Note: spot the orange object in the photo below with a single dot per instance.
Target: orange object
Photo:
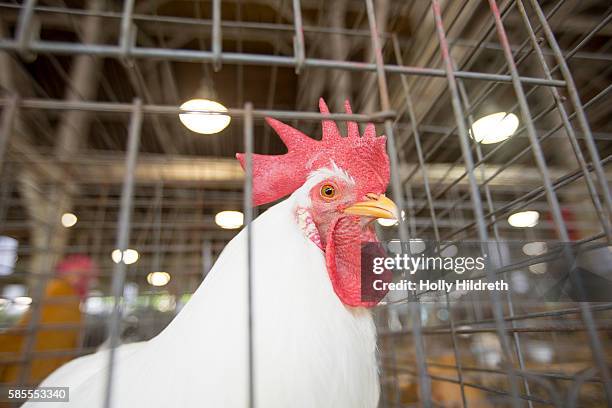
(60, 306)
(58, 327)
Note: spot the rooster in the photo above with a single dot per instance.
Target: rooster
(314, 339)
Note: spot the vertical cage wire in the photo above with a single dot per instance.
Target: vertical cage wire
(123, 238)
(248, 210)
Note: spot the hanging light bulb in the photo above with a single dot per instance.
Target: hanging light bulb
(129, 256)
(69, 220)
(205, 123)
(229, 219)
(524, 219)
(159, 278)
(494, 128)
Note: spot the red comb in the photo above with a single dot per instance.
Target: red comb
(363, 157)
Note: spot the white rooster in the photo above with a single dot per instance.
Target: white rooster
(314, 339)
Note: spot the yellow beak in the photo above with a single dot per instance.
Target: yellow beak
(377, 206)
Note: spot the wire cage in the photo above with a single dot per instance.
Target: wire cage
(95, 164)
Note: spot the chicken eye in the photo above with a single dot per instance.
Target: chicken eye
(328, 191)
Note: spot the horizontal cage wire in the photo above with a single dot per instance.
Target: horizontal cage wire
(496, 115)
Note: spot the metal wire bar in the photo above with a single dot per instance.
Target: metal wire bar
(487, 91)
(485, 388)
(6, 128)
(548, 257)
(539, 329)
(24, 26)
(59, 104)
(480, 160)
(125, 39)
(44, 47)
(491, 153)
(475, 52)
(36, 313)
(555, 376)
(574, 175)
(430, 203)
(500, 146)
(248, 212)
(515, 334)
(603, 57)
(526, 199)
(532, 315)
(586, 39)
(596, 346)
(572, 396)
(70, 327)
(39, 89)
(605, 220)
(476, 49)
(578, 109)
(176, 20)
(123, 236)
(473, 186)
(496, 235)
(398, 196)
(216, 34)
(299, 48)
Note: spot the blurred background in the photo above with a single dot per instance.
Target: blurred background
(95, 123)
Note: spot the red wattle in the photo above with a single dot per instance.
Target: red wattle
(343, 259)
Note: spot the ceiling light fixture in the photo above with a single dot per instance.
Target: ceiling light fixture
(128, 257)
(158, 278)
(205, 123)
(229, 219)
(524, 219)
(69, 220)
(494, 128)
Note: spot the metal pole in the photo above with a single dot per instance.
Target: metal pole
(216, 35)
(24, 27)
(432, 211)
(248, 218)
(60, 104)
(398, 196)
(125, 39)
(123, 237)
(48, 47)
(474, 191)
(299, 48)
(6, 127)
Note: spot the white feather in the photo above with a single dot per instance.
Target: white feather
(310, 350)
